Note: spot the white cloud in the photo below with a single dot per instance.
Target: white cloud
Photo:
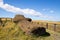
(14, 9)
(51, 11)
(48, 10)
(44, 9)
(1, 0)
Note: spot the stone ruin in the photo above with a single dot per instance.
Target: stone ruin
(0, 22)
(27, 26)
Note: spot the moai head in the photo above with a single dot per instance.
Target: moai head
(18, 18)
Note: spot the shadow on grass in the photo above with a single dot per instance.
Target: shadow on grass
(46, 34)
(40, 31)
(43, 35)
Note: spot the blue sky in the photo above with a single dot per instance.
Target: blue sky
(35, 9)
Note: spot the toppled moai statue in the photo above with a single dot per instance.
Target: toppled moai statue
(31, 28)
(27, 26)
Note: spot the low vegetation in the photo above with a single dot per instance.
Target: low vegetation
(13, 32)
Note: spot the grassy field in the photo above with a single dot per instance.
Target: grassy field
(12, 32)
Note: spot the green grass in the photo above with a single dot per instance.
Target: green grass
(12, 32)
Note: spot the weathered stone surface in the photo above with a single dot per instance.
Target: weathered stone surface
(31, 28)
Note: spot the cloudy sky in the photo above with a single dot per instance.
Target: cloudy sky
(35, 9)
